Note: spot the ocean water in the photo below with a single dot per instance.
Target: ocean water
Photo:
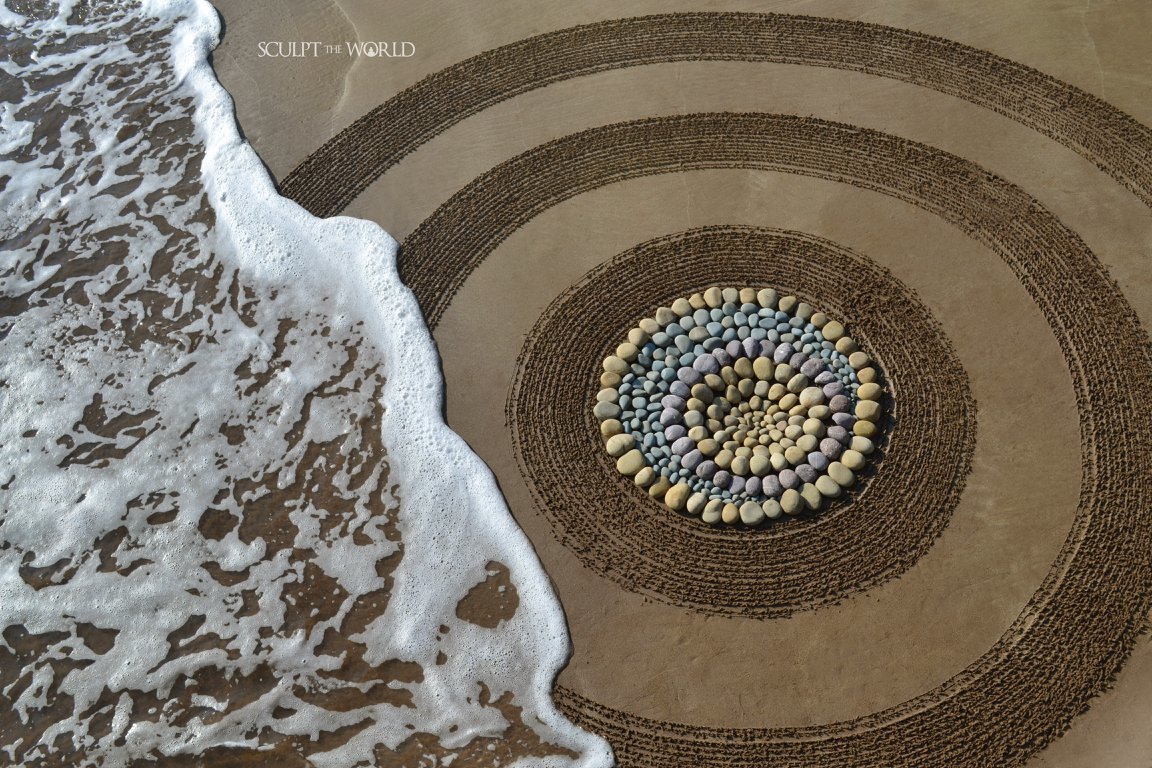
(232, 521)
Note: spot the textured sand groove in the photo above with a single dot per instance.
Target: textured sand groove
(617, 530)
(329, 179)
(1078, 628)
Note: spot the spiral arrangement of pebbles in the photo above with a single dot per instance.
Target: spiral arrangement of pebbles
(740, 406)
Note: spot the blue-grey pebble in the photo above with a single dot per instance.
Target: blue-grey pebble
(818, 461)
(715, 328)
(712, 344)
(661, 339)
(728, 335)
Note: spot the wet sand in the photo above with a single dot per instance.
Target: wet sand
(645, 656)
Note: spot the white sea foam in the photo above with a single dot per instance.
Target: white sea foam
(149, 333)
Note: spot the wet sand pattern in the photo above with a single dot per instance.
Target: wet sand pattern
(1077, 630)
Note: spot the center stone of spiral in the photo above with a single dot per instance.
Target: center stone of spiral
(740, 406)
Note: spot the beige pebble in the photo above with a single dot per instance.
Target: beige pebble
(693, 419)
(832, 330)
(728, 375)
(814, 427)
(775, 447)
(812, 497)
(797, 384)
(713, 297)
(732, 395)
(828, 487)
(659, 488)
(762, 449)
(610, 379)
(630, 463)
(868, 410)
(821, 412)
(869, 391)
(789, 401)
(697, 301)
(811, 397)
(795, 455)
(761, 388)
(792, 502)
(807, 443)
(627, 352)
(772, 509)
(819, 319)
(866, 375)
(756, 401)
(843, 476)
(708, 447)
(696, 503)
(644, 477)
(695, 404)
(730, 514)
(730, 295)
(607, 395)
(712, 511)
(714, 382)
(777, 391)
(724, 458)
(665, 315)
(702, 391)
(682, 307)
(793, 431)
(759, 465)
(745, 451)
(638, 337)
(743, 367)
(767, 298)
(861, 445)
(610, 427)
(865, 428)
(677, 496)
(797, 410)
(846, 345)
(783, 373)
(787, 303)
(859, 359)
(804, 310)
(649, 326)
(740, 465)
(779, 462)
(614, 364)
(854, 460)
(604, 411)
(698, 433)
(618, 445)
(751, 513)
(747, 295)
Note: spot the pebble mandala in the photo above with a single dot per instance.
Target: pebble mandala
(740, 406)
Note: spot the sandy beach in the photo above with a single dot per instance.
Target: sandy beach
(642, 653)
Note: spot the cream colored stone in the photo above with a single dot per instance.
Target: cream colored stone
(792, 502)
(618, 445)
(677, 496)
(869, 391)
(843, 476)
(630, 463)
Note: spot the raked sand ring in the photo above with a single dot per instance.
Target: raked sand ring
(739, 406)
(615, 528)
(1077, 630)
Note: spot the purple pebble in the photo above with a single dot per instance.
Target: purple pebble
(838, 433)
(825, 378)
(705, 469)
(736, 485)
(722, 357)
(818, 461)
(845, 420)
(751, 347)
(839, 404)
(680, 389)
(812, 368)
(691, 460)
(807, 473)
(722, 479)
(683, 445)
(789, 479)
(797, 360)
(675, 432)
(689, 376)
(753, 486)
(706, 364)
(673, 402)
(833, 388)
(783, 352)
(669, 416)
(735, 349)
(772, 487)
(831, 448)
(767, 348)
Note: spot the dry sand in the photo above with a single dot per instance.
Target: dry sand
(901, 638)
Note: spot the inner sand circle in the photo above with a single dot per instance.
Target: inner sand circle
(739, 406)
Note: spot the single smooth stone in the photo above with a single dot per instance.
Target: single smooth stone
(831, 448)
(676, 498)
(812, 367)
(779, 463)
(804, 310)
(722, 357)
(660, 487)
(614, 364)
(783, 353)
(743, 368)
(843, 476)
(610, 427)
(649, 326)
(630, 463)
(772, 486)
(693, 419)
(713, 297)
(828, 487)
(846, 345)
(813, 426)
(682, 307)
(854, 460)
(818, 461)
(797, 383)
(868, 410)
(808, 442)
(751, 347)
(788, 479)
(609, 379)
(604, 411)
(675, 432)
(713, 511)
(706, 364)
(791, 502)
(670, 416)
(724, 458)
(639, 337)
(794, 455)
(839, 404)
(661, 339)
(730, 295)
(763, 368)
(833, 388)
(859, 360)
(705, 470)
(734, 349)
(767, 298)
(783, 373)
(696, 503)
(645, 477)
(753, 486)
(759, 465)
(709, 447)
(845, 420)
(827, 377)
(866, 375)
(698, 334)
(691, 460)
(673, 402)
(627, 352)
(839, 434)
(832, 330)
(772, 509)
(747, 296)
(865, 428)
(680, 389)
(618, 445)
(736, 485)
(690, 376)
(819, 319)
(751, 513)
(811, 496)
(722, 478)
(730, 514)
(807, 473)
(787, 304)
(861, 445)
(740, 466)
(868, 391)
(683, 445)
